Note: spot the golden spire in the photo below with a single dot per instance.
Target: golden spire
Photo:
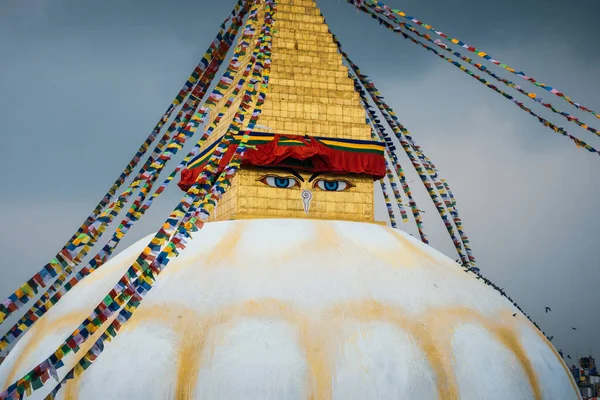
(309, 94)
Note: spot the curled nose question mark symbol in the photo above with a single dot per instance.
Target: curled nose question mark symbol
(306, 198)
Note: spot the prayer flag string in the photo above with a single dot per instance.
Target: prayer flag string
(391, 178)
(403, 135)
(571, 118)
(484, 55)
(135, 212)
(579, 143)
(182, 235)
(390, 175)
(57, 265)
(76, 251)
(466, 255)
(151, 261)
(393, 159)
(388, 203)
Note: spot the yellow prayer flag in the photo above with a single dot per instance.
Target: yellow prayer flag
(27, 289)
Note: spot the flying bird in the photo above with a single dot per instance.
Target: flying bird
(515, 314)
(548, 309)
(568, 356)
(574, 328)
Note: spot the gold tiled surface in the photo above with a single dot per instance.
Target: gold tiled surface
(226, 207)
(309, 90)
(250, 198)
(309, 93)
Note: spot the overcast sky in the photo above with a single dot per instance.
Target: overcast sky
(83, 82)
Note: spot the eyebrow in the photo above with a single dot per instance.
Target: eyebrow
(297, 175)
(313, 176)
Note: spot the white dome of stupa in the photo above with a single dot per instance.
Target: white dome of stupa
(298, 309)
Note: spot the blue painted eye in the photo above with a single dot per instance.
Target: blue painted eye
(279, 181)
(282, 182)
(332, 186)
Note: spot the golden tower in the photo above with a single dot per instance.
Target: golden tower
(309, 94)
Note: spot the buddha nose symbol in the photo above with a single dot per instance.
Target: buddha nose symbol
(306, 198)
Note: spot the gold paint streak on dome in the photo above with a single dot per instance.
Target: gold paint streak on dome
(266, 308)
(227, 248)
(227, 244)
(322, 237)
(72, 388)
(373, 311)
(325, 237)
(411, 249)
(316, 346)
(559, 358)
(511, 341)
(446, 319)
(190, 330)
(192, 341)
(399, 256)
(318, 337)
(439, 358)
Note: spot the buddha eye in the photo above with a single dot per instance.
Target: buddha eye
(337, 185)
(281, 182)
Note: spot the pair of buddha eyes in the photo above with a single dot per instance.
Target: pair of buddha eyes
(288, 182)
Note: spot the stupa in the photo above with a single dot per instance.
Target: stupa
(291, 289)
